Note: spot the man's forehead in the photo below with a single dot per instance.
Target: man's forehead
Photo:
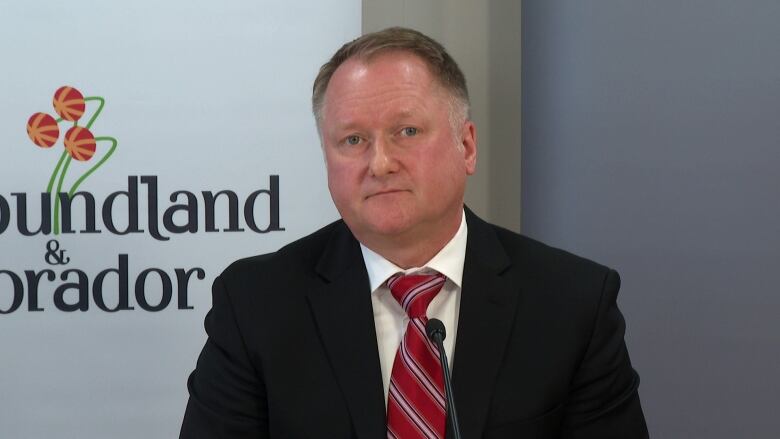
(402, 62)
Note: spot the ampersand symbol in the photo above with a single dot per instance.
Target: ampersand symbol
(55, 256)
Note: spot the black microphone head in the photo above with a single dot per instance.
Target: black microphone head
(435, 329)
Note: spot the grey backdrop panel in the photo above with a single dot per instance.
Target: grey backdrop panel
(651, 143)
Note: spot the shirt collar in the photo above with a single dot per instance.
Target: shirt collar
(449, 261)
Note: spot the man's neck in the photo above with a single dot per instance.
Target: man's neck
(414, 250)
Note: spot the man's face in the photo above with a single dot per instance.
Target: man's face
(397, 167)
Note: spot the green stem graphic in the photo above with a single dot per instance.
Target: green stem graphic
(97, 112)
(57, 198)
(78, 182)
(54, 174)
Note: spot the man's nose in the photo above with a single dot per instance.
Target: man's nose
(382, 160)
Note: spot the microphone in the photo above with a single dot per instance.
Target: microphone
(437, 334)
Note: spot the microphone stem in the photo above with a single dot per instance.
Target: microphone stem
(452, 413)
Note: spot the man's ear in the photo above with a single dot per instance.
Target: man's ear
(469, 146)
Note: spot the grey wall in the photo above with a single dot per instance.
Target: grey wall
(651, 142)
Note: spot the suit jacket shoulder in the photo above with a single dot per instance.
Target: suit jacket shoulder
(297, 257)
(291, 335)
(544, 260)
(539, 348)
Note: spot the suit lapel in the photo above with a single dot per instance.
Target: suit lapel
(344, 316)
(487, 311)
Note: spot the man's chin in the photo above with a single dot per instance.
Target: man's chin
(388, 227)
(381, 227)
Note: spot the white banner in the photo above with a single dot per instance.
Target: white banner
(145, 145)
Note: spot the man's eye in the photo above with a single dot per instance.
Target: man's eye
(353, 140)
(409, 131)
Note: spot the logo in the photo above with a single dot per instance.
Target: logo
(80, 143)
(67, 209)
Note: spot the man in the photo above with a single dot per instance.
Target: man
(322, 339)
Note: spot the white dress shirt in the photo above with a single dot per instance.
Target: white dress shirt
(390, 319)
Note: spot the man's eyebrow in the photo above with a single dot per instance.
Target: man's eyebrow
(405, 113)
(346, 125)
(351, 123)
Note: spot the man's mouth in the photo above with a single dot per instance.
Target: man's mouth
(384, 192)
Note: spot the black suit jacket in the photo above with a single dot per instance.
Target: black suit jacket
(292, 349)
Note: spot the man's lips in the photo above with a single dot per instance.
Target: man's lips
(385, 192)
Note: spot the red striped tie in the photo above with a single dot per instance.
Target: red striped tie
(415, 403)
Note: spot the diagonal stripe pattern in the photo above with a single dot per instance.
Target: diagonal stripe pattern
(415, 404)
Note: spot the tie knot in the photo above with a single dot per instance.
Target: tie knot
(415, 291)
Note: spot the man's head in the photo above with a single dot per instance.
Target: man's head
(397, 142)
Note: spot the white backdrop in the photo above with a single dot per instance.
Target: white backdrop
(201, 96)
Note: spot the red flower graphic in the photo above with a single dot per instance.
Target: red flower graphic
(43, 130)
(69, 103)
(80, 143)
